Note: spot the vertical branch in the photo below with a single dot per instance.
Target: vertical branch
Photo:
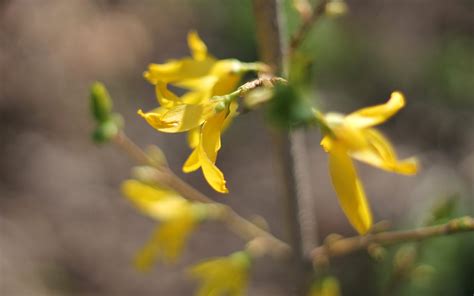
(290, 146)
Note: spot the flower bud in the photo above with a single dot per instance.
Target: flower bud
(101, 104)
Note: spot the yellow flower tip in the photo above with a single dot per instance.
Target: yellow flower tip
(141, 113)
(197, 47)
(397, 99)
(409, 166)
(326, 143)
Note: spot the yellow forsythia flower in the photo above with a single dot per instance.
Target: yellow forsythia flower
(177, 218)
(352, 136)
(197, 111)
(224, 275)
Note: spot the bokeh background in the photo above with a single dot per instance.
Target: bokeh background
(65, 229)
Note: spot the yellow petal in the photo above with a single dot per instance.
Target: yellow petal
(229, 75)
(177, 70)
(165, 97)
(193, 137)
(197, 46)
(148, 255)
(349, 190)
(166, 242)
(158, 203)
(137, 191)
(197, 97)
(371, 116)
(154, 118)
(344, 133)
(381, 154)
(173, 235)
(180, 118)
(212, 174)
(192, 163)
(199, 83)
(209, 145)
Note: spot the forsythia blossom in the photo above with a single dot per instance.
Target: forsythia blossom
(224, 275)
(200, 111)
(177, 216)
(352, 136)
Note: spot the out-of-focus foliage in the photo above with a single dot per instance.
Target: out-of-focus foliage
(439, 266)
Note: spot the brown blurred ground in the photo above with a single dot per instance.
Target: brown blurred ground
(64, 227)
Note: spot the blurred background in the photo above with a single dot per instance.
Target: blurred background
(65, 229)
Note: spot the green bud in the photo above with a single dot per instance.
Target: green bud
(105, 132)
(220, 106)
(101, 104)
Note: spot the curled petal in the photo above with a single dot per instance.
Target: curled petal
(349, 189)
(381, 154)
(371, 116)
(179, 118)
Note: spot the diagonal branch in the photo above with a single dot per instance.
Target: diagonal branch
(236, 223)
(300, 34)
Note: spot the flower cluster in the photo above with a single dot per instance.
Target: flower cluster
(352, 136)
(177, 216)
(201, 110)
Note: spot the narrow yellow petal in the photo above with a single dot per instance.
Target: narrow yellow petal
(371, 116)
(381, 154)
(349, 190)
(193, 137)
(192, 163)
(177, 70)
(197, 46)
(147, 256)
(212, 174)
(208, 148)
(199, 83)
(174, 234)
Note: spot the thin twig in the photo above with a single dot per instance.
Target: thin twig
(344, 246)
(163, 175)
(300, 34)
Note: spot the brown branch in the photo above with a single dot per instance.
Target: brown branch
(163, 175)
(344, 246)
(300, 34)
